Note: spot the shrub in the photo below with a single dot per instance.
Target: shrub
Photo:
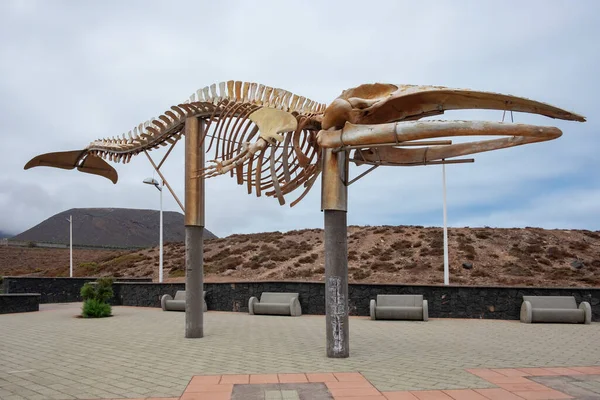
(579, 246)
(176, 273)
(534, 248)
(93, 308)
(385, 257)
(308, 259)
(383, 266)
(361, 274)
(480, 273)
(400, 245)
(554, 253)
(94, 298)
(375, 251)
(270, 265)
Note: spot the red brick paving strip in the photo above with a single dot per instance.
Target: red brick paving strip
(513, 385)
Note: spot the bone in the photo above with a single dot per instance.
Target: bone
(230, 90)
(278, 98)
(179, 111)
(297, 163)
(294, 103)
(167, 122)
(245, 89)
(266, 100)
(259, 94)
(213, 92)
(286, 101)
(238, 91)
(222, 91)
(200, 95)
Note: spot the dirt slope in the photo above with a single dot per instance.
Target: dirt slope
(388, 254)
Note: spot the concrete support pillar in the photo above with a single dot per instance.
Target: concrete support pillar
(334, 205)
(194, 228)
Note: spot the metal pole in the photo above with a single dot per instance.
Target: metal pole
(194, 227)
(71, 245)
(334, 205)
(160, 268)
(446, 267)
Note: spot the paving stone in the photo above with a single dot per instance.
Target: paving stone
(142, 351)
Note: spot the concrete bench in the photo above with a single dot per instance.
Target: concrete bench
(399, 306)
(19, 302)
(275, 304)
(168, 303)
(555, 309)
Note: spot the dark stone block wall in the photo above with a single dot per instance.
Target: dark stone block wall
(487, 302)
(143, 294)
(18, 303)
(444, 301)
(53, 290)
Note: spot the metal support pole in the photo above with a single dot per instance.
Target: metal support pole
(71, 246)
(334, 205)
(160, 261)
(194, 227)
(446, 266)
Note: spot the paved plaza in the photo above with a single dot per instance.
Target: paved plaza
(141, 352)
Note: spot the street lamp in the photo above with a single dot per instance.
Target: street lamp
(446, 266)
(70, 219)
(159, 186)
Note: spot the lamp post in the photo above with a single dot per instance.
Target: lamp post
(70, 219)
(159, 186)
(446, 267)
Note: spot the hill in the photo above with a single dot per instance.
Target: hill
(4, 235)
(384, 254)
(114, 227)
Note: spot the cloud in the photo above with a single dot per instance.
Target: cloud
(74, 72)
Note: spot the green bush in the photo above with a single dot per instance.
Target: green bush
(100, 290)
(95, 296)
(93, 308)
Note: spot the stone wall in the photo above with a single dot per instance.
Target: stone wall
(487, 302)
(53, 290)
(143, 294)
(444, 301)
(18, 303)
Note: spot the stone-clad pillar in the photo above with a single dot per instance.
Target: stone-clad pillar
(194, 228)
(334, 206)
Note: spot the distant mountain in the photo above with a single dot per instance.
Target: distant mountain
(5, 235)
(118, 227)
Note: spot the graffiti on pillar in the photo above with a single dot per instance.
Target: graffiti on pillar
(270, 140)
(337, 311)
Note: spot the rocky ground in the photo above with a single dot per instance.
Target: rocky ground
(382, 254)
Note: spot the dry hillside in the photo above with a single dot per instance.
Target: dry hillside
(109, 227)
(387, 254)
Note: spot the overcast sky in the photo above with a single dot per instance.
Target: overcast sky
(74, 71)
